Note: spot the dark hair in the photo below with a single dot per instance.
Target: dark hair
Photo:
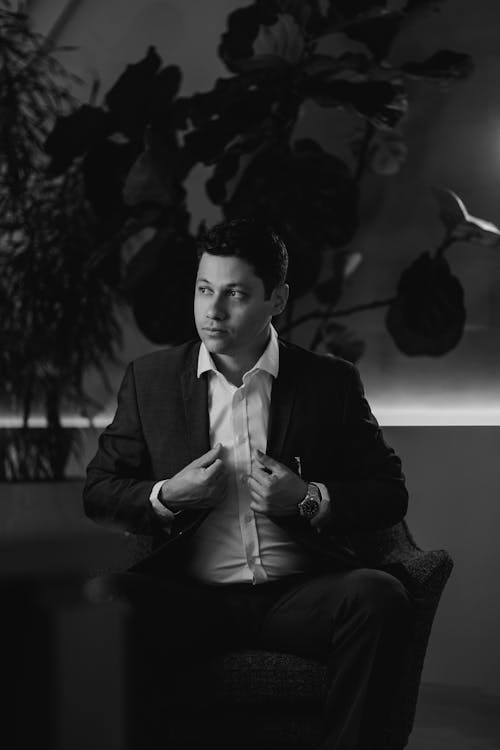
(252, 241)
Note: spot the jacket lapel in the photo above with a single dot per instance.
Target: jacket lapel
(195, 397)
(283, 395)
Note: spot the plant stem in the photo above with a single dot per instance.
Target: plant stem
(337, 313)
(363, 152)
(447, 241)
(316, 339)
(358, 174)
(359, 308)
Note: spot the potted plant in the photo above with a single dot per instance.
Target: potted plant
(57, 302)
(140, 145)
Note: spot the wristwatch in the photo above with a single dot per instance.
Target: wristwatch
(310, 504)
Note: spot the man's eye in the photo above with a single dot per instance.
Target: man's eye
(202, 288)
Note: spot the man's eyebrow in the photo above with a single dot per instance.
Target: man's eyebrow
(231, 283)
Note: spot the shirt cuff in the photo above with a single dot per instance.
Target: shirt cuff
(165, 515)
(323, 516)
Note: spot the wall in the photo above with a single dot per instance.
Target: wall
(452, 477)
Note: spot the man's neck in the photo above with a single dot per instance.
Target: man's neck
(233, 368)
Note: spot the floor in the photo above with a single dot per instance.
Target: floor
(454, 718)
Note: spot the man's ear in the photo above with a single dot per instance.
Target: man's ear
(280, 298)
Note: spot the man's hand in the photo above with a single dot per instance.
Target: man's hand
(200, 484)
(275, 489)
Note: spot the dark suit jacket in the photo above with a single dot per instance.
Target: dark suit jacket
(318, 412)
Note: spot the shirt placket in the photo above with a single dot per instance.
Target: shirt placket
(243, 460)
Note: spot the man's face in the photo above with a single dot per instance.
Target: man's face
(230, 297)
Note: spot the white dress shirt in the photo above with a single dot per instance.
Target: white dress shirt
(235, 544)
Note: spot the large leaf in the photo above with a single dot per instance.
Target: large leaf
(452, 210)
(343, 14)
(128, 99)
(461, 225)
(478, 231)
(304, 266)
(157, 174)
(377, 33)
(283, 40)
(105, 168)
(421, 6)
(231, 165)
(74, 134)
(301, 10)
(428, 315)
(143, 184)
(143, 94)
(237, 43)
(310, 198)
(327, 66)
(444, 65)
(162, 295)
(381, 102)
(143, 264)
(305, 191)
(387, 153)
(340, 10)
(269, 33)
(235, 106)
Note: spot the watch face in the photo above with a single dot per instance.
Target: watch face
(309, 507)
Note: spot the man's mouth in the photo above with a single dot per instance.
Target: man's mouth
(215, 331)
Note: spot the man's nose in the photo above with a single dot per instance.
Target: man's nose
(216, 308)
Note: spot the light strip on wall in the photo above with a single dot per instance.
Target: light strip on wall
(437, 416)
(387, 416)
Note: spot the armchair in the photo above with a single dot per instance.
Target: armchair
(258, 699)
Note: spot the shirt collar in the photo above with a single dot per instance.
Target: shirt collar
(268, 361)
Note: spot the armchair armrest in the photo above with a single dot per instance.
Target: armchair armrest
(395, 550)
(424, 573)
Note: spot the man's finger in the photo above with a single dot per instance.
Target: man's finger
(208, 458)
(269, 464)
(214, 468)
(254, 486)
(256, 501)
(265, 459)
(259, 506)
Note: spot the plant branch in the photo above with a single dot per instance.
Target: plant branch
(327, 314)
(318, 335)
(363, 152)
(445, 244)
(358, 174)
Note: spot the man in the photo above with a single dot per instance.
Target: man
(249, 462)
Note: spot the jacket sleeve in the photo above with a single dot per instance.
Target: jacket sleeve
(119, 477)
(369, 490)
